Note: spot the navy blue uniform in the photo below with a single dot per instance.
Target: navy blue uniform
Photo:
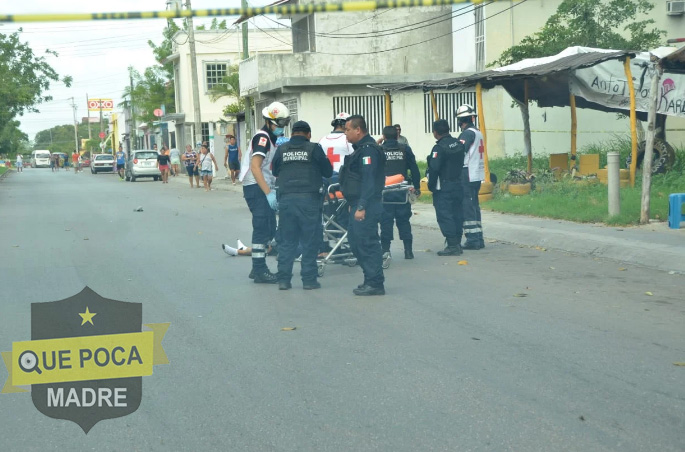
(399, 160)
(300, 166)
(445, 164)
(367, 163)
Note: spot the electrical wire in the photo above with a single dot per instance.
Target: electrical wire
(426, 40)
(391, 31)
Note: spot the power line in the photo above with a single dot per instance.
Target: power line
(390, 31)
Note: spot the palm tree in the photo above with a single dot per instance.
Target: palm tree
(229, 87)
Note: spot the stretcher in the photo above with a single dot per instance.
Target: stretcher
(336, 215)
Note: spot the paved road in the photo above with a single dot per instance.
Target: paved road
(449, 360)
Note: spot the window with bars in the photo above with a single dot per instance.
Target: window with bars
(215, 73)
(205, 132)
(479, 13)
(372, 108)
(447, 104)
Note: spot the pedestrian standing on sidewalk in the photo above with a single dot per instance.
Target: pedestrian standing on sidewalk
(205, 162)
(175, 155)
(445, 163)
(258, 187)
(472, 175)
(300, 167)
(189, 159)
(232, 159)
(362, 179)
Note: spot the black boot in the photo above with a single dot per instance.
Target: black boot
(452, 249)
(265, 277)
(408, 253)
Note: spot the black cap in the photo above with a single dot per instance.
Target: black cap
(301, 126)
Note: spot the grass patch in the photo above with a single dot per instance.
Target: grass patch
(569, 200)
(2, 170)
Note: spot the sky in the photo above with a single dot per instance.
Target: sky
(96, 54)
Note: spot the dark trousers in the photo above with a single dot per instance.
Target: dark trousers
(365, 243)
(299, 224)
(395, 214)
(471, 208)
(448, 210)
(263, 224)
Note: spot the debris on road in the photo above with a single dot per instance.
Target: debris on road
(138, 209)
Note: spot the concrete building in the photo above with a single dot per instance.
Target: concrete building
(216, 51)
(336, 56)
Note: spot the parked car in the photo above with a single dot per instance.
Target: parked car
(142, 163)
(102, 163)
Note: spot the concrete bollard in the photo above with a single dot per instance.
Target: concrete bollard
(613, 179)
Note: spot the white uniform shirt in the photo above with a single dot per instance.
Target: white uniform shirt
(246, 176)
(474, 158)
(336, 147)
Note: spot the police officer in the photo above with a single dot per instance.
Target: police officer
(362, 179)
(300, 166)
(258, 183)
(399, 159)
(472, 175)
(445, 163)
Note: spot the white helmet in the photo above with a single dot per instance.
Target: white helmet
(465, 111)
(340, 119)
(277, 113)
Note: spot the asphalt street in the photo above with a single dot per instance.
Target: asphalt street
(515, 349)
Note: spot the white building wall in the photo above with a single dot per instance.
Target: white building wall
(218, 46)
(551, 126)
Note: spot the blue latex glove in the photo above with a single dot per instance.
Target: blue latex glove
(271, 198)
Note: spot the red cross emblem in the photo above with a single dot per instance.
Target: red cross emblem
(332, 157)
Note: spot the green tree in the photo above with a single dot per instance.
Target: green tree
(151, 90)
(605, 24)
(230, 87)
(60, 138)
(24, 80)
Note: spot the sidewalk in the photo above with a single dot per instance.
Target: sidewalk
(654, 245)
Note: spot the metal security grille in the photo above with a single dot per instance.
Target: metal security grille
(205, 132)
(447, 107)
(292, 107)
(372, 108)
(215, 73)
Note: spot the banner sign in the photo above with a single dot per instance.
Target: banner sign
(606, 84)
(100, 104)
(86, 358)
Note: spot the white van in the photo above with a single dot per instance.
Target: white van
(40, 158)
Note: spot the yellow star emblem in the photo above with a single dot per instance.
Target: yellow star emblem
(87, 317)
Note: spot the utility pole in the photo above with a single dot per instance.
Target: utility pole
(193, 76)
(90, 133)
(248, 99)
(133, 133)
(102, 140)
(73, 105)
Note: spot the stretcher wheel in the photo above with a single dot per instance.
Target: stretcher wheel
(321, 267)
(351, 262)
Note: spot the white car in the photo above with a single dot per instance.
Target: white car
(142, 163)
(102, 163)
